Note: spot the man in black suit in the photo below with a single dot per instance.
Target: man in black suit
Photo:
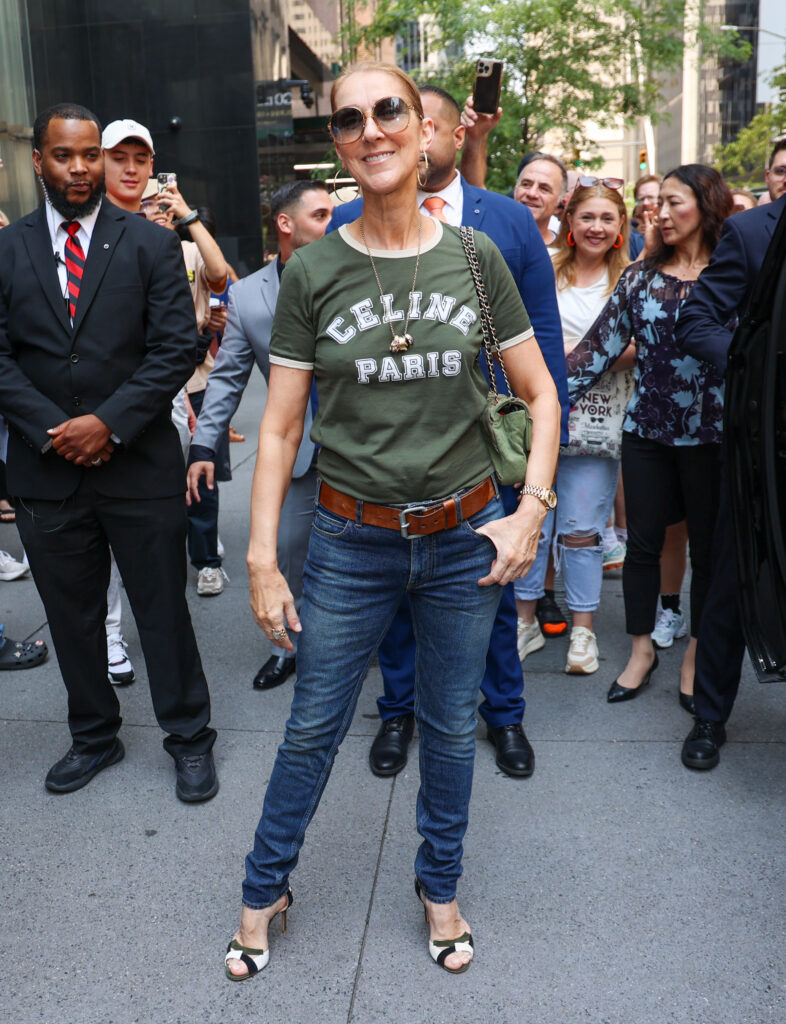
(97, 334)
(723, 291)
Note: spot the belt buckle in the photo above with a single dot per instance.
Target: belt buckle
(402, 518)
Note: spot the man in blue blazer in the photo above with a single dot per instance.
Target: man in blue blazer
(723, 291)
(300, 211)
(511, 226)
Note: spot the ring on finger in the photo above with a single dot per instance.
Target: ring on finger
(279, 634)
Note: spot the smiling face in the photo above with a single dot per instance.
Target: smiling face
(596, 224)
(679, 217)
(129, 166)
(71, 166)
(380, 163)
(539, 187)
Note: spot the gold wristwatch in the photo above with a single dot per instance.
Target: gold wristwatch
(544, 494)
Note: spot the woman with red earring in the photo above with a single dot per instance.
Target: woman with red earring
(590, 253)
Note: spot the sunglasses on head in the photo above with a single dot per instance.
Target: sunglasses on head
(390, 115)
(587, 182)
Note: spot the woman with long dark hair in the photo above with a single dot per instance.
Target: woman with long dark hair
(672, 430)
(384, 315)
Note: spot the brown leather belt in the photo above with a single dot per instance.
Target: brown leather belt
(415, 521)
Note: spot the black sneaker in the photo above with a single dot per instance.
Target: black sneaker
(550, 617)
(196, 777)
(75, 770)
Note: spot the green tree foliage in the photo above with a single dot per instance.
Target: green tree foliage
(743, 160)
(567, 62)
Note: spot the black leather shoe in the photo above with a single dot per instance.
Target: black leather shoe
(388, 753)
(196, 777)
(75, 770)
(515, 755)
(702, 745)
(618, 693)
(686, 701)
(276, 670)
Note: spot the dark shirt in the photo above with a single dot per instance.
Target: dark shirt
(677, 400)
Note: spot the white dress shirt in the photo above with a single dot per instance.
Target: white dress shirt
(59, 235)
(453, 194)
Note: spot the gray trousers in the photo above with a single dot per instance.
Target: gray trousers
(294, 530)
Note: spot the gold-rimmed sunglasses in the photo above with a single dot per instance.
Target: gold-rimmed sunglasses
(587, 181)
(390, 115)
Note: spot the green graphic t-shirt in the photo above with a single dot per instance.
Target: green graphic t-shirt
(401, 427)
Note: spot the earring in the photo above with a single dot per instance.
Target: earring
(422, 182)
(334, 190)
(570, 239)
(619, 243)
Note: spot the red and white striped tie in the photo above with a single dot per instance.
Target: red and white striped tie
(75, 264)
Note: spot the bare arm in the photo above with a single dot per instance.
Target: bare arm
(516, 536)
(280, 434)
(473, 156)
(215, 264)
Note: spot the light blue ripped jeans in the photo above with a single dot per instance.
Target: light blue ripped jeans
(585, 488)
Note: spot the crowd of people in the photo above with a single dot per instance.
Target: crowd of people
(126, 343)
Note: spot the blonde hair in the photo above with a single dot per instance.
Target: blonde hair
(412, 94)
(564, 259)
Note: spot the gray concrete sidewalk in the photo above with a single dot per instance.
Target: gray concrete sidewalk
(613, 887)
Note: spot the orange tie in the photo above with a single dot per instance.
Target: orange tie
(434, 206)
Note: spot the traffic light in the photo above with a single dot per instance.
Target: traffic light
(643, 160)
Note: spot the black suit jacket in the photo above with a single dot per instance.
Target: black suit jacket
(724, 287)
(130, 350)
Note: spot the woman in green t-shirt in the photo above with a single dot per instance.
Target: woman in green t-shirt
(384, 316)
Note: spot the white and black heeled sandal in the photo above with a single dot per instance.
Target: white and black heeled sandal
(255, 960)
(441, 950)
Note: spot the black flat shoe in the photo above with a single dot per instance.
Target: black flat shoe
(515, 755)
(701, 749)
(618, 693)
(75, 770)
(388, 754)
(686, 701)
(276, 670)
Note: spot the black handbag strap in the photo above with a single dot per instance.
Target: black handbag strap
(490, 340)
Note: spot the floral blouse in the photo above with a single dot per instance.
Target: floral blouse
(677, 400)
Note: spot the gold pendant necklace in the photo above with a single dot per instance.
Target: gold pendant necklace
(399, 342)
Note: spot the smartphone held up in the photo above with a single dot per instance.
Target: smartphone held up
(488, 85)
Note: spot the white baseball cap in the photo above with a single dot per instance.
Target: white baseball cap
(116, 131)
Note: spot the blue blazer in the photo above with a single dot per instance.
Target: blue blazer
(724, 287)
(512, 228)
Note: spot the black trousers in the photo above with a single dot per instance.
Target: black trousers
(721, 646)
(664, 484)
(67, 543)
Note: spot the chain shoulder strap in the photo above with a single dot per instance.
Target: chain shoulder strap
(490, 341)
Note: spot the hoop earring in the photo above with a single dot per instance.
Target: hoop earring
(334, 189)
(570, 239)
(619, 243)
(422, 183)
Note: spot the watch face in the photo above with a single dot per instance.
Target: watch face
(551, 499)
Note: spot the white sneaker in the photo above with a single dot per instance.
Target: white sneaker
(529, 637)
(613, 557)
(211, 581)
(10, 569)
(670, 626)
(582, 653)
(121, 671)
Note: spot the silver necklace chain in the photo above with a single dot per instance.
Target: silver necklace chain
(399, 342)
